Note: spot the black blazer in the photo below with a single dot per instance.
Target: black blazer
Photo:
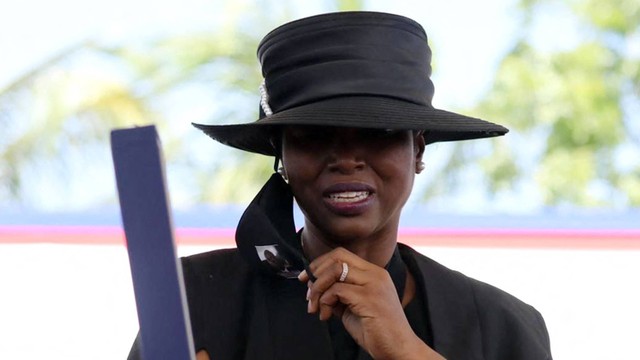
(237, 313)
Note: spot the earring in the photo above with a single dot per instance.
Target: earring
(420, 165)
(282, 173)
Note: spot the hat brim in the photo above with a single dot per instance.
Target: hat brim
(359, 112)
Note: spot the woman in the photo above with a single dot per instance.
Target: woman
(346, 106)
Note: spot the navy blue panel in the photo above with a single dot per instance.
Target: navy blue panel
(157, 275)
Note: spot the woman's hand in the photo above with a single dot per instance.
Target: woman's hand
(366, 302)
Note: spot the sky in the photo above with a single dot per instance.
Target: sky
(466, 35)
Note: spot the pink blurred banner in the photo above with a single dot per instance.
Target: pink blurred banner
(615, 239)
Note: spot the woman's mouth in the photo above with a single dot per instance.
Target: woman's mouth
(348, 199)
(349, 196)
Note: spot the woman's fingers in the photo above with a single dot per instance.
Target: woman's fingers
(328, 271)
(333, 301)
(303, 276)
(326, 277)
(339, 269)
(338, 255)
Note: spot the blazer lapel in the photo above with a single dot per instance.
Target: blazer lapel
(451, 307)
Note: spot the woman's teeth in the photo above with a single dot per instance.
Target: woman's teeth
(349, 196)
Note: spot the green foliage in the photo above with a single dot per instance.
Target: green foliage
(500, 167)
(618, 16)
(350, 5)
(575, 98)
(56, 109)
(591, 93)
(565, 174)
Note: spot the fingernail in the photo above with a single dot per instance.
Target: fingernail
(308, 293)
(302, 273)
(309, 307)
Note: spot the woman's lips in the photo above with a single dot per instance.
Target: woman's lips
(348, 199)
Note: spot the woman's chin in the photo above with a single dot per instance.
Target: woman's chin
(351, 234)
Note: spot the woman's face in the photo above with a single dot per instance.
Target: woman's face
(350, 183)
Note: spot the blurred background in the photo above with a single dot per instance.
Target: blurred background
(549, 213)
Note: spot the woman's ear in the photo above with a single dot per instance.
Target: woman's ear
(419, 146)
(283, 173)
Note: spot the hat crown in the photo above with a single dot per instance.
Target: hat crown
(346, 54)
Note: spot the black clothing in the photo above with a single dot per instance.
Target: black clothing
(238, 313)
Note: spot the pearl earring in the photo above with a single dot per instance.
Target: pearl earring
(420, 165)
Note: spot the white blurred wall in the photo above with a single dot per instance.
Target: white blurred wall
(68, 301)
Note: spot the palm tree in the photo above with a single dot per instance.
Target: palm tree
(58, 115)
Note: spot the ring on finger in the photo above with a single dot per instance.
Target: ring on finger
(345, 272)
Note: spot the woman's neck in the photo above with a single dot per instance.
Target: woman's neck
(377, 249)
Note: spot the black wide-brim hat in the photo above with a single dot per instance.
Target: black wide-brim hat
(348, 69)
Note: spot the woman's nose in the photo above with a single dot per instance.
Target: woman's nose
(346, 153)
